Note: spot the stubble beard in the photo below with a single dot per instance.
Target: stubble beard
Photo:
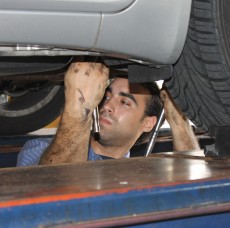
(107, 138)
(114, 138)
(115, 135)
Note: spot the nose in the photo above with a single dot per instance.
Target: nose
(108, 106)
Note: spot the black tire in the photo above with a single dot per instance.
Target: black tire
(201, 80)
(31, 111)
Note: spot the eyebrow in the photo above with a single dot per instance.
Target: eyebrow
(130, 96)
(123, 94)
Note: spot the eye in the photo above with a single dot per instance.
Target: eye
(125, 102)
(106, 97)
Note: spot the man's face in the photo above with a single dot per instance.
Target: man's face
(122, 117)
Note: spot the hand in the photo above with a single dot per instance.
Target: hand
(85, 84)
(173, 113)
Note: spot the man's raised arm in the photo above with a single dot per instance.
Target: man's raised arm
(182, 132)
(85, 84)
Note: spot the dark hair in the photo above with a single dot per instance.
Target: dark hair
(153, 108)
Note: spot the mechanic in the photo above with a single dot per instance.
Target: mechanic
(128, 113)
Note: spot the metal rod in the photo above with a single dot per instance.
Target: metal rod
(96, 125)
(154, 135)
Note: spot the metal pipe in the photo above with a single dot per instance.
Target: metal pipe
(96, 125)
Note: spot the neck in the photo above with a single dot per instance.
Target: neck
(109, 151)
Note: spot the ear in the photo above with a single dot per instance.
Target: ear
(149, 123)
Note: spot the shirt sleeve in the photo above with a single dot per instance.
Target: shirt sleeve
(32, 151)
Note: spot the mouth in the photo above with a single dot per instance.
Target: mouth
(104, 121)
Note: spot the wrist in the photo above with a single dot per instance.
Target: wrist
(181, 122)
(80, 113)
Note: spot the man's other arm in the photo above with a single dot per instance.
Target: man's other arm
(182, 132)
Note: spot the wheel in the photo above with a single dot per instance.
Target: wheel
(201, 81)
(31, 111)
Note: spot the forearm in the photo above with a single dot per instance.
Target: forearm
(182, 132)
(70, 144)
(184, 137)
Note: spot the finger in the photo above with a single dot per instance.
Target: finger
(163, 95)
(75, 67)
(106, 73)
(100, 67)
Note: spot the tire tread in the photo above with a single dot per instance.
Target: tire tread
(201, 81)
